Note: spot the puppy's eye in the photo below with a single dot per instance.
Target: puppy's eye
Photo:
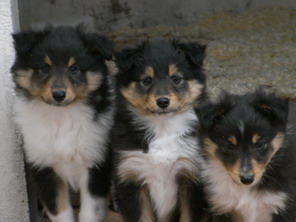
(147, 81)
(176, 79)
(73, 69)
(45, 69)
(230, 147)
(260, 146)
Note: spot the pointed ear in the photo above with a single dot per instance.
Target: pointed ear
(25, 41)
(125, 59)
(272, 107)
(194, 51)
(211, 114)
(96, 43)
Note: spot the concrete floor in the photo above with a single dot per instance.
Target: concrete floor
(111, 217)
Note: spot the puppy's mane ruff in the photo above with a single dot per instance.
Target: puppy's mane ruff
(65, 138)
(171, 150)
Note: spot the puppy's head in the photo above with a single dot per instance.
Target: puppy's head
(243, 133)
(161, 76)
(60, 65)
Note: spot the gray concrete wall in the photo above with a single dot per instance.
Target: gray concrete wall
(13, 192)
(109, 15)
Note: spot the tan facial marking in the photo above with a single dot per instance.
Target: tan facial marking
(94, 80)
(23, 78)
(258, 170)
(46, 90)
(175, 101)
(71, 91)
(141, 102)
(71, 61)
(277, 142)
(234, 171)
(147, 209)
(233, 140)
(172, 70)
(210, 147)
(150, 71)
(47, 60)
(194, 92)
(255, 138)
(187, 100)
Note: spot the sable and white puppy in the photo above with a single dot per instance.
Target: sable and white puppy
(155, 150)
(64, 107)
(249, 162)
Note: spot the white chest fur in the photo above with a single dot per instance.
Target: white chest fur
(65, 138)
(169, 152)
(226, 196)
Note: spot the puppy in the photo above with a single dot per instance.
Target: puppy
(249, 164)
(64, 107)
(155, 151)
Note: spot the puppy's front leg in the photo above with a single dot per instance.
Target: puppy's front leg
(54, 194)
(94, 193)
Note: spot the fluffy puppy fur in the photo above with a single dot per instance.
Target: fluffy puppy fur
(156, 153)
(249, 163)
(64, 107)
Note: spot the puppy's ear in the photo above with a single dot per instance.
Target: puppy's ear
(125, 59)
(194, 51)
(211, 114)
(25, 41)
(96, 43)
(272, 107)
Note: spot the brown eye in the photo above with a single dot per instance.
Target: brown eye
(45, 69)
(147, 81)
(260, 145)
(73, 70)
(230, 147)
(177, 79)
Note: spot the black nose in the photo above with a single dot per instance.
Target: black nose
(247, 179)
(59, 95)
(163, 102)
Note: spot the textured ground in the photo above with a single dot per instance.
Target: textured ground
(246, 50)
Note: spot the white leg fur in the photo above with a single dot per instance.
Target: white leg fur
(92, 209)
(65, 216)
(64, 208)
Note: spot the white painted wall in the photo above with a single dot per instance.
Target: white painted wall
(110, 15)
(13, 192)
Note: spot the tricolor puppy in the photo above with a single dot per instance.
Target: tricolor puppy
(156, 153)
(249, 165)
(64, 107)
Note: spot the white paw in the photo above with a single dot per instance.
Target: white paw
(65, 216)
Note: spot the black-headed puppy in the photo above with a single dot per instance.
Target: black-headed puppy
(249, 164)
(156, 156)
(64, 107)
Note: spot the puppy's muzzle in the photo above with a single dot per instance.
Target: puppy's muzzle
(163, 102)
(246, 174)
(247, 178)
(59, 95)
